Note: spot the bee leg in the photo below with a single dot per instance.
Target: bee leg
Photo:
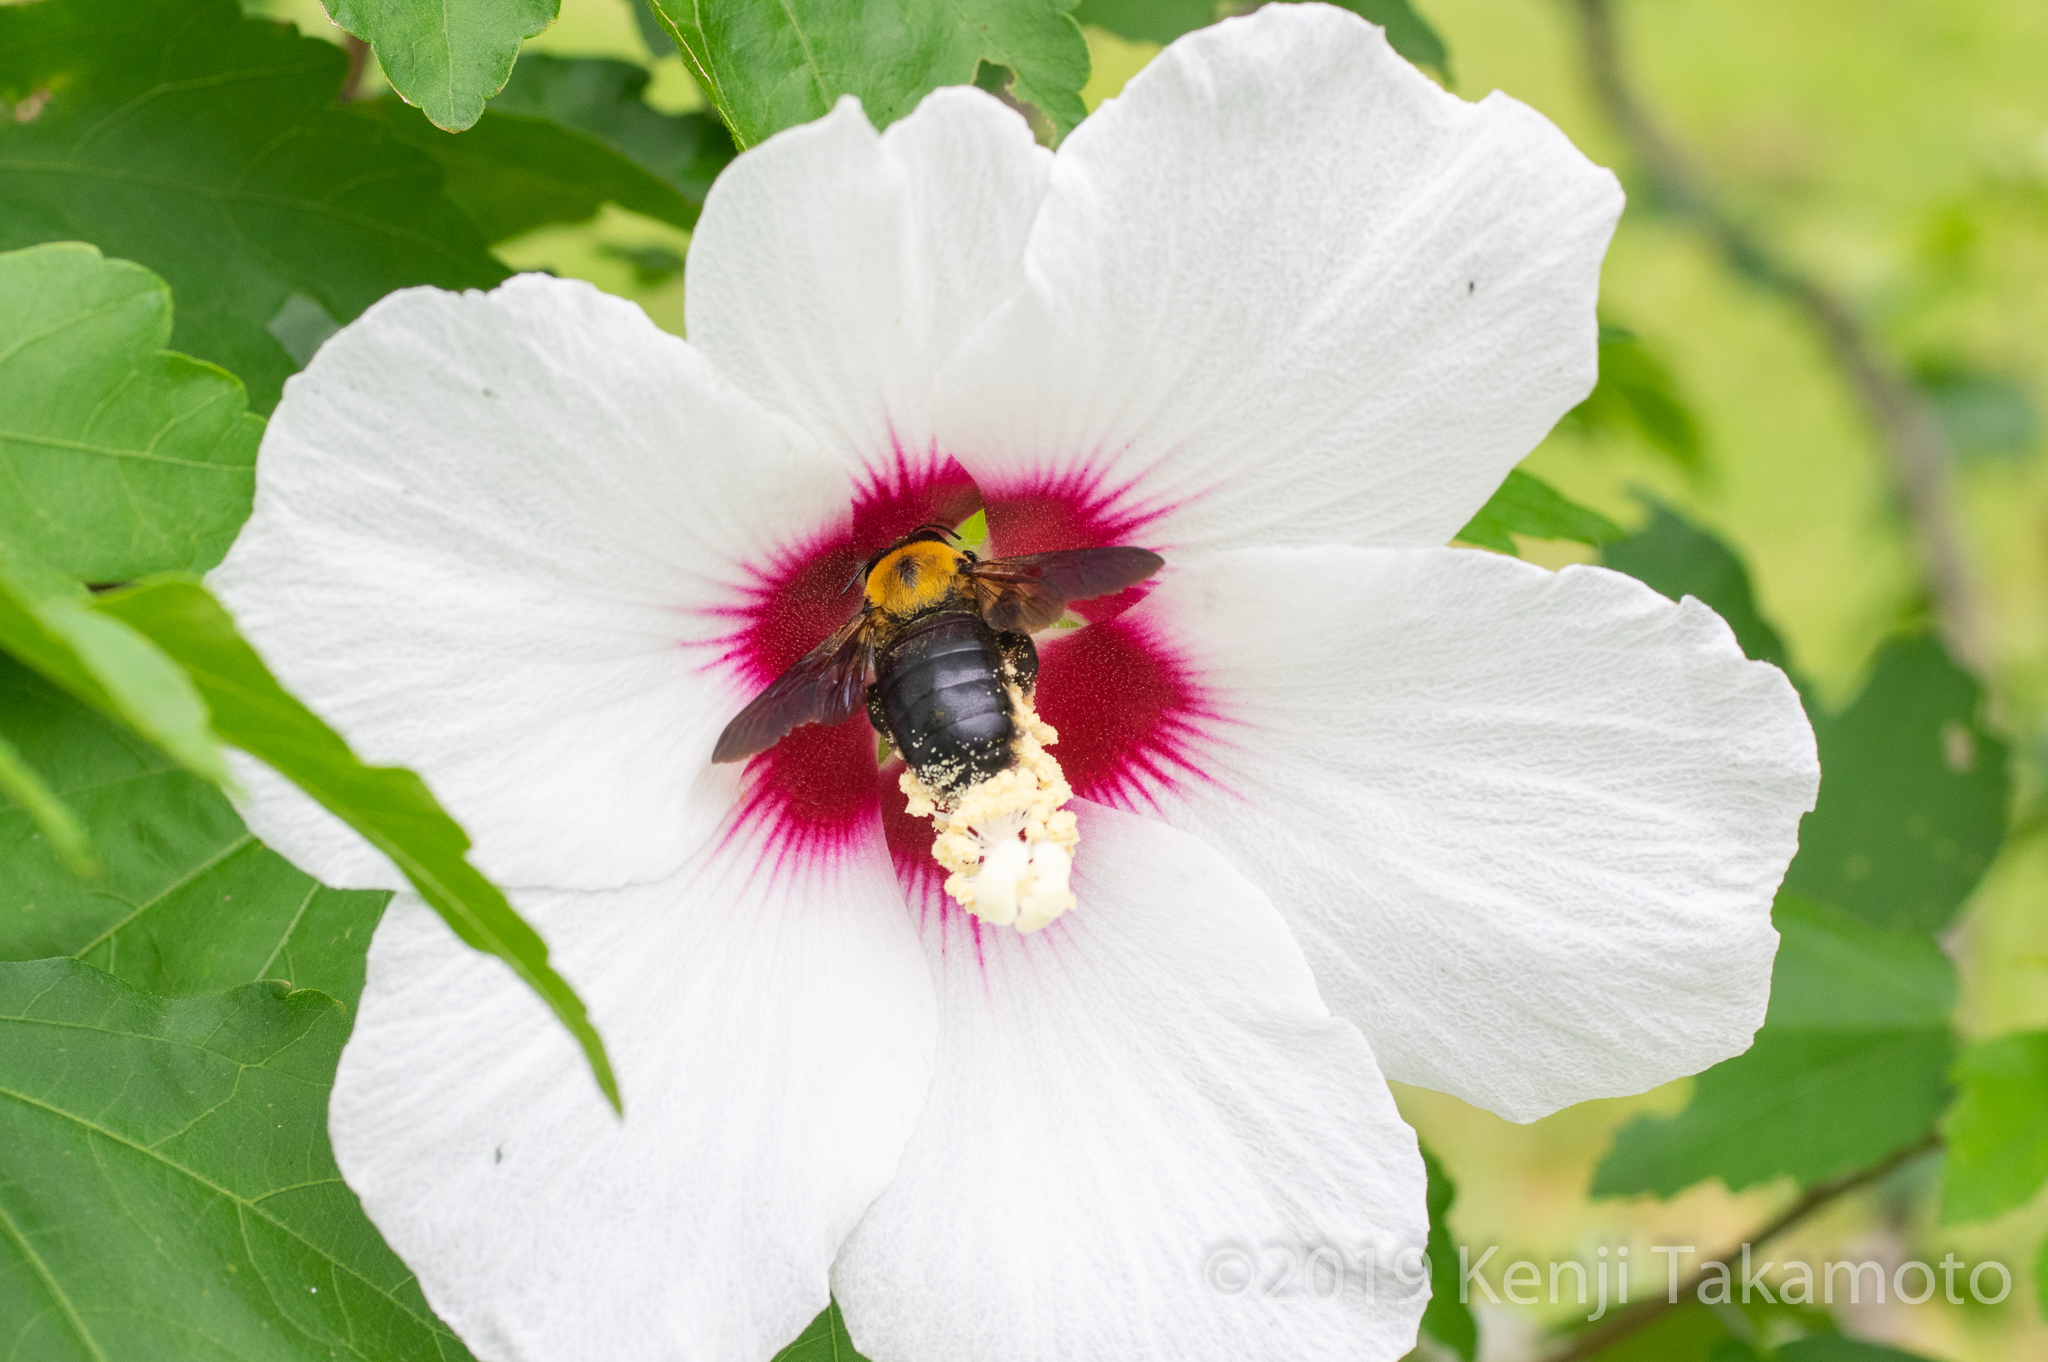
(1020, 659)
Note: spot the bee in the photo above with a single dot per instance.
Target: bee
(939, 637)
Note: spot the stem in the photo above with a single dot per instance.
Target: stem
(358, 67)
(1915, 446)
(1643, 1313)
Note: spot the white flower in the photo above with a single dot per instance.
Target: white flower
(1350, 802)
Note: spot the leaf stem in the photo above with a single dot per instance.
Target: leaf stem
(1916, 448)
(1644, 1312)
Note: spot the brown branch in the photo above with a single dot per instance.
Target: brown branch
(1644, 1312)
(358, 68)
(1915, 446)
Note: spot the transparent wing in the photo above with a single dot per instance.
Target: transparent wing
(1029, 593)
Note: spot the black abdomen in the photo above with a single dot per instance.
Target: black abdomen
(939, 691)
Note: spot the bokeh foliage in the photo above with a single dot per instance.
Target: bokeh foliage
(232, 198)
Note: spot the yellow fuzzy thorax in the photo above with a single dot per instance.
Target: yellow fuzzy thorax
(916, 577)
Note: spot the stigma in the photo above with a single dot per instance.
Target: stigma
(1007, 841)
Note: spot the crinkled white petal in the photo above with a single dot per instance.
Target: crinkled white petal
(772, 1041)
(1141, 1116)
(835, 268)
(1526, 825)
(491, 535)
(1285, 290)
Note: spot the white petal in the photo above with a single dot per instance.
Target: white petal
(1526, 825)
(1141, 1117)
(492, 540)
(835, 269)
(772, 1038)
(1284, 290)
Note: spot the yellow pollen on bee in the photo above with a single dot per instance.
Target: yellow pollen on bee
(915, 577)
(1007, 840)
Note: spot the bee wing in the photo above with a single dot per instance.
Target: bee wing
(826, 686)
(1029, 593)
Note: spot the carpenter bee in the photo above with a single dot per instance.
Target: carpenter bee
(939, 637)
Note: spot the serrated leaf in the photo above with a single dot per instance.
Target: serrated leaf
(391, 807)
(1912, 795)
(47, 621)
(1850, 1066)
(1637, 392)
(45, 812)
(185, 901)
(1673, 556)
(1525, 504)
(446, 56)
(767, 65)
(120, 458)
(169, 1190)
(606, 99)
(205, 146)
(1446, 1319)
(1161, 21)
(1997, 1131)
(824, 1340)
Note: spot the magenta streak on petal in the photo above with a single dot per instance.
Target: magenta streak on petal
(1133, 717)
(813, 795)
(910, 490)
(1072, 508)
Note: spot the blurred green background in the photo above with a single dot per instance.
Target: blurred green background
(1898, 151)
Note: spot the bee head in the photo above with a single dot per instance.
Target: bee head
(923, 534)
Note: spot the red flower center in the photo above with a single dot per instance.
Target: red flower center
(1130, 711)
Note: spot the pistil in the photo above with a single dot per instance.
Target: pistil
(1007, 840)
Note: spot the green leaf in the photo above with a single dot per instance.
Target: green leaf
(1912, 795)
(185, 901)
(1690, 1333)
(1637, 392)
(47, 814)
(606, 100)
(1835, 1348)
(446, 56)
(568, 135)
(770, 64)
(1407, 32)
(205, 146)
(1447, 1319)
(120, 458)
(1147, 21)
(1987, 416)
(1525, 504)
(512, 173)
(824, 1340)
(47, 620)
(390, 807)
(1673, 556)
(1997, 1131)
(1161, 21)
(169, 1189)
(1851, 1065)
